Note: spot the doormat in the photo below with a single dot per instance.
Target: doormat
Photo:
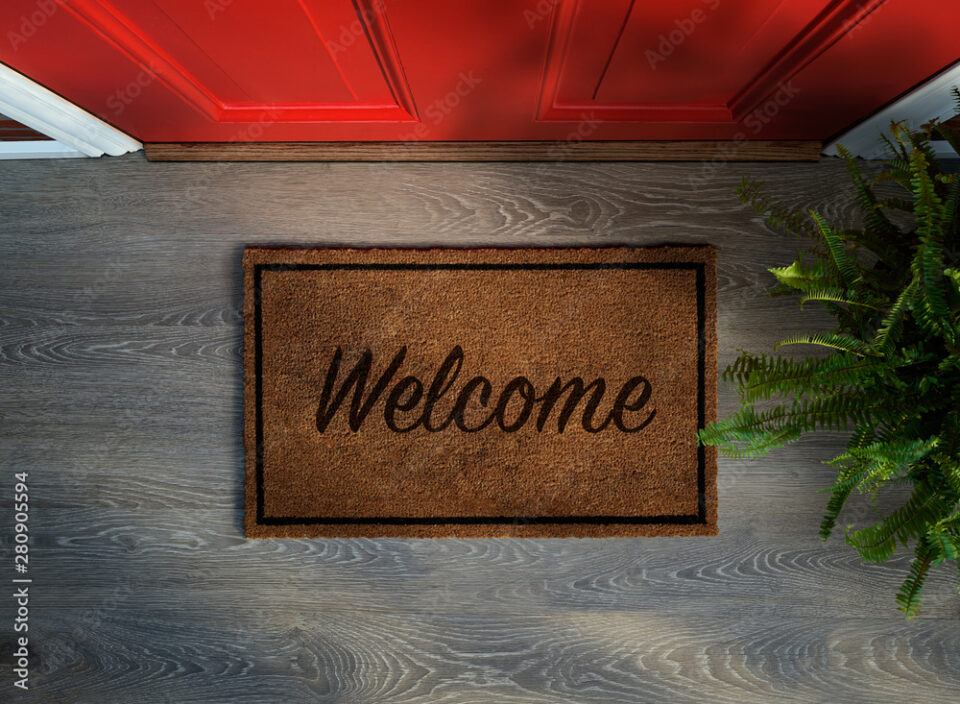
(479, 392)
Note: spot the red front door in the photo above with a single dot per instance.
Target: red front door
(250, 70)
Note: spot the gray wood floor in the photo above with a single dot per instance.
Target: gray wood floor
(120, 338)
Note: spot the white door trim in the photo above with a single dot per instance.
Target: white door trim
(33, 105)
(932, 99)
(38, 149)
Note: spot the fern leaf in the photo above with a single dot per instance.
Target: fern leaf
(839, 257)
(833, 295)
(880, 461)
(944, 544)
(805, 277)
(836, 341)
(749, 433)
(743, 366)
(878, 234)
(839, 493)
(877, 543)
(893, 371)
(908, 597)
(951, 207)
(927, 264)
(898, 148)
(787, 376)
(951, 136)
(779, 216)
(892, 325)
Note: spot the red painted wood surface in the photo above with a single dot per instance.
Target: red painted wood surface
(251, 70)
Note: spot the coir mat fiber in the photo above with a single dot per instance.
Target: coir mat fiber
(479, 392)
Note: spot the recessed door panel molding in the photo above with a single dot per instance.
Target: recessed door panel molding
(479, 70)
(692, 60)
(240, 64)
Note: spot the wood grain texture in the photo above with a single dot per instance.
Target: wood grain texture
(120, 344)
(573, 150)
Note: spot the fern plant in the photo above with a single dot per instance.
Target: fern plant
(892, 375)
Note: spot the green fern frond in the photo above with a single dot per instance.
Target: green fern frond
(877, 543)
(806, 277)
(954, 276)
(839, 493)
(950, 363)
(898, 150)
(836, 341)
(908, 598)
(951, 207)
(833, 295)
(899, 451)
(892, 325)
(951, 136)
(776, 214)
(839, 257)
(757, 444)
(862, 436)
(781, 376)
(893, 372)
(928, 264)
(944, 542)
(878, 232)
(742, 366)
(749, 433)
(901, 204)
(898, 171)
(915, 140)
(881, 461)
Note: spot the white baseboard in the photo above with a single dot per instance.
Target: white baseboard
(33, 105)
(38, 149)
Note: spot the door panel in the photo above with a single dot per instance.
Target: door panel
(699, 60)
(241, 62)
(697, 52)
(248, 70)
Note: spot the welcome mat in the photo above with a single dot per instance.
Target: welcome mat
(479, 393)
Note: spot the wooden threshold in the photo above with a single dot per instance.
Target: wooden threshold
(743, 150)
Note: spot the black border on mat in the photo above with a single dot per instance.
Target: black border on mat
(700, 517)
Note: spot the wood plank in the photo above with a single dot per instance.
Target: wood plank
(745, 150)
(808, 579)
(120, 339)
(247, 652)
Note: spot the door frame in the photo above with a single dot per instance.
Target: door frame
(73, 131)
(931, 99)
